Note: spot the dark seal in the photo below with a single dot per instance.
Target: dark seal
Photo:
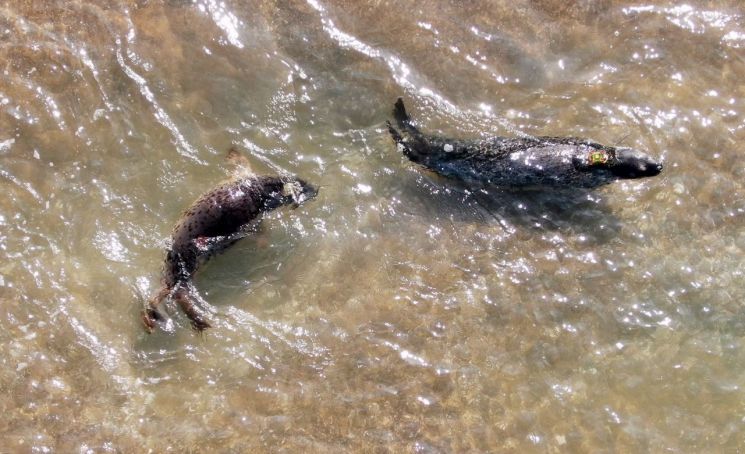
(214, 222)
(521, 162)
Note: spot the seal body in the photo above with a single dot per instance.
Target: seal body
(215, 221)
(521, 162)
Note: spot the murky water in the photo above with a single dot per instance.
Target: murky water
(398, 311)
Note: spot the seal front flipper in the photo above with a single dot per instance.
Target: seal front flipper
(241, 165)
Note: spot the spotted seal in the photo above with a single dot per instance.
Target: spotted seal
(521, 161)
(214, 222)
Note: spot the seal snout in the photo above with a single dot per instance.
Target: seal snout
(307, 190)
(632, 163)
(298, 191)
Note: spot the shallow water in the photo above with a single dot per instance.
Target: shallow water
(398, 311)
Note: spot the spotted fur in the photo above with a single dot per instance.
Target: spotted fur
(215, 221)
(520, 161)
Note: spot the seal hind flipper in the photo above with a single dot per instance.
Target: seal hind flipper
(399, 111)
(400, 141)
(409, 140)
(402, 118)
(185, 299)
(183, 295)
(150, 315)
(394, 133)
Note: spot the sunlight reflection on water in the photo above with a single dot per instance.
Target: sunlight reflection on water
(397, 310)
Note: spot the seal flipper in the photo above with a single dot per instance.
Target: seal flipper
(400, 142)
(242, 167)
(208, 247)
(410, 141)
(185, 300)
(182, 295)
(150, 314)
(402, 121)
(402, 118)
(395, 134)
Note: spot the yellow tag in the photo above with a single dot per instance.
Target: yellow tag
(598, 157)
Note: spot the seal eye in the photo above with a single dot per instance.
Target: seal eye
(597, 157)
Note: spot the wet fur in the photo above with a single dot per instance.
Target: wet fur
(214, 222)
(519, 161)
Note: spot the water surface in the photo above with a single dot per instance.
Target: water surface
(398, 311)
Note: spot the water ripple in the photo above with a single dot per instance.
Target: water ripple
(397, 309)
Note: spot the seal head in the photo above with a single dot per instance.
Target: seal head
(621, 163)
(297, 191)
